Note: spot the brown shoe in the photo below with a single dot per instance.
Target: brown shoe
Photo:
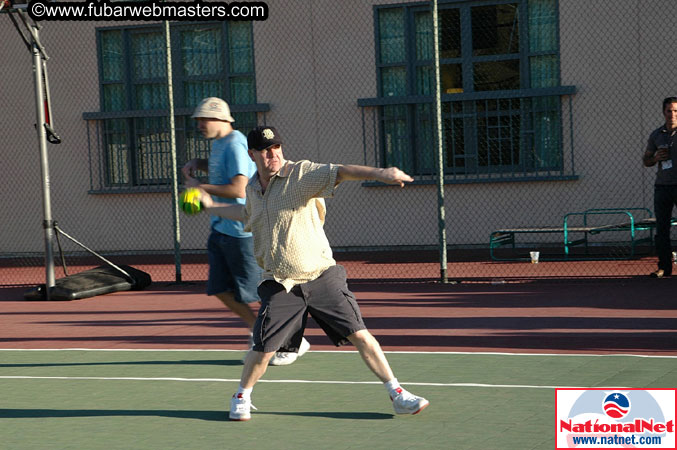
(660, 273)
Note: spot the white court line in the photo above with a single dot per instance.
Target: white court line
(330, 351)
(237, 380)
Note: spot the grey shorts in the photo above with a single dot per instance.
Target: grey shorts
(283, 315)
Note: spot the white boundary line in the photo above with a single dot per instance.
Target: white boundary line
(510, 386)
(227, 380)
(331, 351)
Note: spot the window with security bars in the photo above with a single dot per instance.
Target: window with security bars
(208, 60)
(499, 83)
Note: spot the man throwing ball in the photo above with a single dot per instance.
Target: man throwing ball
(285, 211)
(233, 272)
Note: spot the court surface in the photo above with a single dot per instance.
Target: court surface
(154, 369)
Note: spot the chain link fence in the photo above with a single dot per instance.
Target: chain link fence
(546, 107)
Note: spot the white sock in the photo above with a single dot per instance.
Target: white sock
(246, 393)
(393, 387)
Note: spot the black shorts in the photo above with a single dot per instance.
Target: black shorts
(283, 315)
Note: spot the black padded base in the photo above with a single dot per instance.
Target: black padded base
(89, 283)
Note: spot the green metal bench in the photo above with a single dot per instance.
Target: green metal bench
(632, 220)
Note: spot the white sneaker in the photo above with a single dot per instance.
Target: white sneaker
(407, 403)
(304, 347)
(240, 408)
(283, 359)
(286, 358)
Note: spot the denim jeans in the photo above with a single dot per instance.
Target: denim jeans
(665, 197)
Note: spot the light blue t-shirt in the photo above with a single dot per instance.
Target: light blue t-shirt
(227, 159)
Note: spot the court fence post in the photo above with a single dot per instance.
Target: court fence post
(172, 148)
(441, 223)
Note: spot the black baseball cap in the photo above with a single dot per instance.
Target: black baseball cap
(261, 138)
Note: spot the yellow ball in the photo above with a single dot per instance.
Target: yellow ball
(189, 201)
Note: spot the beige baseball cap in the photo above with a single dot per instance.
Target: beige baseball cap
(213, 108)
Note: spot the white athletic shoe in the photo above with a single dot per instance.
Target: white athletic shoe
(286, 358)
(240, 408)
(304, 347)
(407, 403)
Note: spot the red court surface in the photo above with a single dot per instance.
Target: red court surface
(465, 265)
(629, 315)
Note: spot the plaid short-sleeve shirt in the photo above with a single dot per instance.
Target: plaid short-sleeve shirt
(287, 222)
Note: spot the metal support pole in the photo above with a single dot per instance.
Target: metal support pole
(442, 232)
(172, 147)
(48, 223)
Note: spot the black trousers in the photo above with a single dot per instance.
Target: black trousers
(665, 197)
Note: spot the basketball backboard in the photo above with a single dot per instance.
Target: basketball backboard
(15, 5)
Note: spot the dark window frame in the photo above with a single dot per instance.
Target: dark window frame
(128, 177)
(470, 100)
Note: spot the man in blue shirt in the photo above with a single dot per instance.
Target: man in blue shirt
(234, 274)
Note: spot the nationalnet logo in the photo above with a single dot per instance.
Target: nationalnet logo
(615, 418)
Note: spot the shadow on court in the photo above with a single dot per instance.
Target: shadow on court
(203, 362)
(56, 413)
(331, 415)
(219, 416)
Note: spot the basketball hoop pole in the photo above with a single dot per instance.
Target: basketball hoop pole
(32, 41)
(48, 223)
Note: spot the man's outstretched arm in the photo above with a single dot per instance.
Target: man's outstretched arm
(391, 175)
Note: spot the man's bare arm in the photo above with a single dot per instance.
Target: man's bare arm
(228, 210)
(235, 189)
(391, 175)
(651, 158)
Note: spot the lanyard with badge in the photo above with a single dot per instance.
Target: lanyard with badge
(667, 164)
